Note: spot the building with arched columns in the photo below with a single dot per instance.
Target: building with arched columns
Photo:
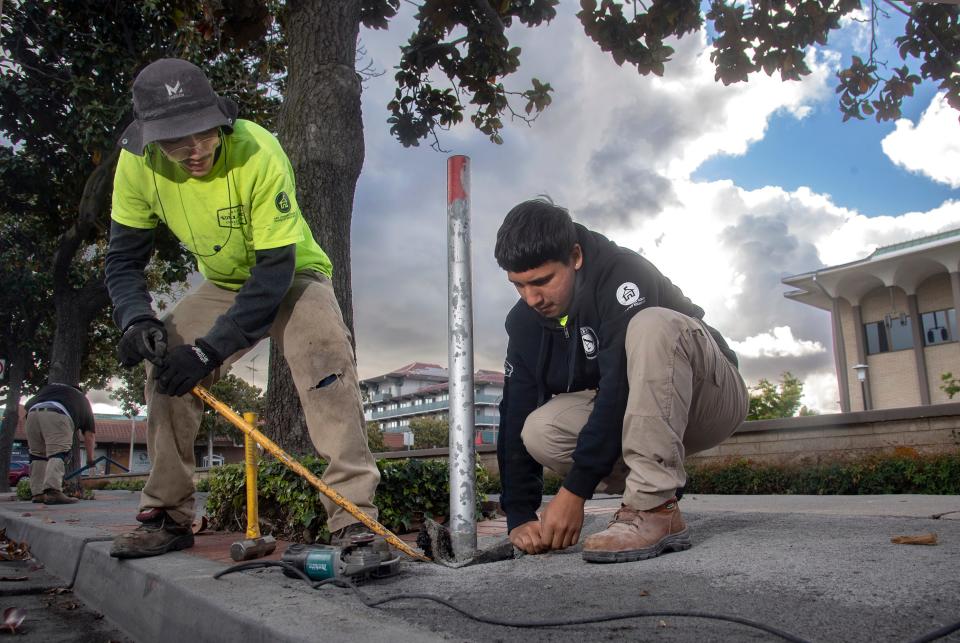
(894, 321)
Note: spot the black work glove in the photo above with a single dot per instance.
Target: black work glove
(145, 339)
(184, 366)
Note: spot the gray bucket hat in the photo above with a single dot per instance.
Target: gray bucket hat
(173, 98)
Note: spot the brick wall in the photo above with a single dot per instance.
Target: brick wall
(941, 358)
(928, 429)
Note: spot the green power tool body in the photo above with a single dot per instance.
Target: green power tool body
(361, 560)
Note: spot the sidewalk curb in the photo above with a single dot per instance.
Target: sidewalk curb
(175, 597)
(58, 547)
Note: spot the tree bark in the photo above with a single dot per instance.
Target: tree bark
(11, 416)
(321, 129)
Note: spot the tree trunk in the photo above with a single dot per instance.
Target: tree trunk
(75, 311)
(77, 307)
(11, 416)
(321, 129)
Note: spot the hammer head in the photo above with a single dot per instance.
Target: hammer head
(252, 548)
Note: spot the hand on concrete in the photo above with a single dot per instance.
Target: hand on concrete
(526, 538)
(561, 521)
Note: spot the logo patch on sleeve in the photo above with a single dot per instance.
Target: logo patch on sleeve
(507, 368)
(590, 343)
(628, 294)
(282, 201)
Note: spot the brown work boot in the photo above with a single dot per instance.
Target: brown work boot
(636, 535)
(157, 535)
(38, 498)
(57, 497)
(358, 532)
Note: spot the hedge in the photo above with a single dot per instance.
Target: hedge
(290, 507)
(904, 471)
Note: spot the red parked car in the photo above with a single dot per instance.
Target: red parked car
(18, 469)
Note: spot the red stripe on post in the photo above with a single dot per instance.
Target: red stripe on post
(455, 190)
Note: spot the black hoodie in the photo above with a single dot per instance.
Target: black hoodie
(545, 358)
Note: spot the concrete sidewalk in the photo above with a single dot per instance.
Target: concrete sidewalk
(819, 567)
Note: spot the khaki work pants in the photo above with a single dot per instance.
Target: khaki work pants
(309, 329)
(685, 397)
(48, 433)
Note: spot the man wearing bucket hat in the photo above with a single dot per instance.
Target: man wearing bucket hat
(226, 190)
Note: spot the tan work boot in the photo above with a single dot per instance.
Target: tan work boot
(57, 497)
(636, 535)
(156, 535)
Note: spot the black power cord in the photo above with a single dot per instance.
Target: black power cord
(375, 603)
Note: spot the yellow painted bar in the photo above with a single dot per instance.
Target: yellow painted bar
(250, 469)
(280, 454)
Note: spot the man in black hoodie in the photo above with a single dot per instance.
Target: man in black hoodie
(611, 377)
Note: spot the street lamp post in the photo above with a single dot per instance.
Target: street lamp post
(861, 370)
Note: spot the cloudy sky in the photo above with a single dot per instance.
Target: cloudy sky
(725, 189)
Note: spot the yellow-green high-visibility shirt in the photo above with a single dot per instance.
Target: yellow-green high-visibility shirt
(247, 202)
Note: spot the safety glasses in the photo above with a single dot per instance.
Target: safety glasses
(201, 144)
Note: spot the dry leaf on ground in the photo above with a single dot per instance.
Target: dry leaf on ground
(923, 539)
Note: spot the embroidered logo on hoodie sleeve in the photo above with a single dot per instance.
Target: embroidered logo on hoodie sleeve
(629, 295)
(507, 368)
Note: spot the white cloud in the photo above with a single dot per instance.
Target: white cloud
(779, 342)
(820, 392)
(857, 236)
(103, 408)
(932, 146)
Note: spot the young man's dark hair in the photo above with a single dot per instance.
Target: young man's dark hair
(611, 378)
(533, 233)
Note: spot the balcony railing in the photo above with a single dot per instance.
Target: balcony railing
(480, 421)
(411, 410)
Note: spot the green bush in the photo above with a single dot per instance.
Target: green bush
(290, 507)
(23, 489)
(551, 483)
(880, 474)
(124, 485)
(491, 483)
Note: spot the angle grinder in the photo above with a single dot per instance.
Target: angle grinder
(362, 559)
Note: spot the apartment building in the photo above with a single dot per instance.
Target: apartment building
(894, 321)
(420, 390)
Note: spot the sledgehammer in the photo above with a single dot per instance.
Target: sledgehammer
(255, 545)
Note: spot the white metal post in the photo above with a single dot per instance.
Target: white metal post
(463, 458)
